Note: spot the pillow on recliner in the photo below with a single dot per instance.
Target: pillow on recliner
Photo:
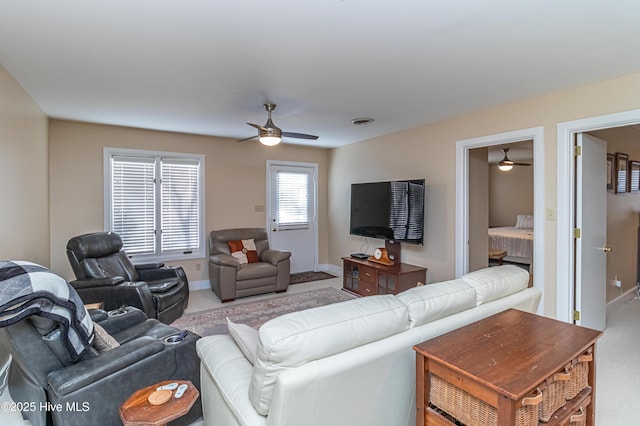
(244, 250)
(102, 340)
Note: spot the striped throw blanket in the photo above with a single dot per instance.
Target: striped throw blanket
(30, 289)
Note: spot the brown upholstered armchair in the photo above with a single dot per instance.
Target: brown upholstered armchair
(241, 264)
(105, 274)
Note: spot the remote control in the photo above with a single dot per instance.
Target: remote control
(170, 386)
(181, 390)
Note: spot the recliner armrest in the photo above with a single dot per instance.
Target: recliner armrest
(275, 256)
(162, 273)
(222, 259)
(83, 373)
(151, 265)
(97, 282)
(116, 323)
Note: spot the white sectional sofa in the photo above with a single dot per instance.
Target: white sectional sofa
(349, 363)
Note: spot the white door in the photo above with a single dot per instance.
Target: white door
(591, 219)
(291, 215)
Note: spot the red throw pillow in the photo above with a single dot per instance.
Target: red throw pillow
(244, 250)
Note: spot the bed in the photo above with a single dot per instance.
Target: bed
(516, 240)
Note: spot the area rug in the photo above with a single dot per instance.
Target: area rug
(305, 277)
(256, 313)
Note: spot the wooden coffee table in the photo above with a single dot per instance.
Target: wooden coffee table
(137, 411)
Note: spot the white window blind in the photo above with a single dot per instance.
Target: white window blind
(293, 200)
(133, 203)
(180, 205)
(155, 203)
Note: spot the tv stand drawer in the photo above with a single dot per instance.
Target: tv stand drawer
(367, 278)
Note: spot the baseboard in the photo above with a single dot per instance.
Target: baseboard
(332, 269)
(199, 285)
(621, 300)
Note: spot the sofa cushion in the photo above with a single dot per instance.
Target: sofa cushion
(497, 282)
(246, 338)
(294, 339)
(434, 301)
(244, 250)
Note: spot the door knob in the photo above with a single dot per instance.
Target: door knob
(606, 249)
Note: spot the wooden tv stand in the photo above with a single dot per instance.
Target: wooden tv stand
(366, 278)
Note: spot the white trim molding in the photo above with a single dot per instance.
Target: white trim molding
(462, 197)
(566, 194)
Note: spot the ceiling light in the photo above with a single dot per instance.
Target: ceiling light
(505, 167)
(270, 140)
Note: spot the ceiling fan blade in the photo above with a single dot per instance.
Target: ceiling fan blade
(521, 164)
(299, 135)
(259, 127)
(247, 139)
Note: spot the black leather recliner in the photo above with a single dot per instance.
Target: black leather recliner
(105, 274)
(91, 389)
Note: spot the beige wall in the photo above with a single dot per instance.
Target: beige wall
(429, 152)
(510, 194)
(622, 216)
(235, 181)
(24, 175)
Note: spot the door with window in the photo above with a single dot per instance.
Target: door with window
(291, 214)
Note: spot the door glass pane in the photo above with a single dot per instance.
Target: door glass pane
(292, 209)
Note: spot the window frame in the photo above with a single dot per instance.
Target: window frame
(108, 154)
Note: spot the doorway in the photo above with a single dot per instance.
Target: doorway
(292, 212)
(463, 147)
(568, 283)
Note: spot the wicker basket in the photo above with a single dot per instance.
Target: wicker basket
(471, 411)
(579, 375)
(553, 395)
(578, 419)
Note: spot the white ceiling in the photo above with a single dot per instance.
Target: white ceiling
(207, 66)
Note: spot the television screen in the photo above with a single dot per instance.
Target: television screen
(388, 210)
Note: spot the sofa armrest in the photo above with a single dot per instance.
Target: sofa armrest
(275, 256)
(222, 259)
(96, 282)
(84, 373)
(225, 376)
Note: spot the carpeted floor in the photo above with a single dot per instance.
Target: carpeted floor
(305, 277)
(256, 313)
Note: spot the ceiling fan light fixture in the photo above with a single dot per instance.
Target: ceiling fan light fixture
(505, 167)
(270, 140)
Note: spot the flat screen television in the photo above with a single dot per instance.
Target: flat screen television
(389, 210)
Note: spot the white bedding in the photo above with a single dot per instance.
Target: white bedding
(518, 242)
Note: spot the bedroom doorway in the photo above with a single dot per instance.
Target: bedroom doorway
(464, 196)
(568, 284)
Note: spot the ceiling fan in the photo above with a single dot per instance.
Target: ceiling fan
(505, 164)
(270, 134)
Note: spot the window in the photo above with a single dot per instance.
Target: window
(292, 189)
(154, 201)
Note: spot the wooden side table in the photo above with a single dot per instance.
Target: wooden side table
(137, 411)
(501, 360)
